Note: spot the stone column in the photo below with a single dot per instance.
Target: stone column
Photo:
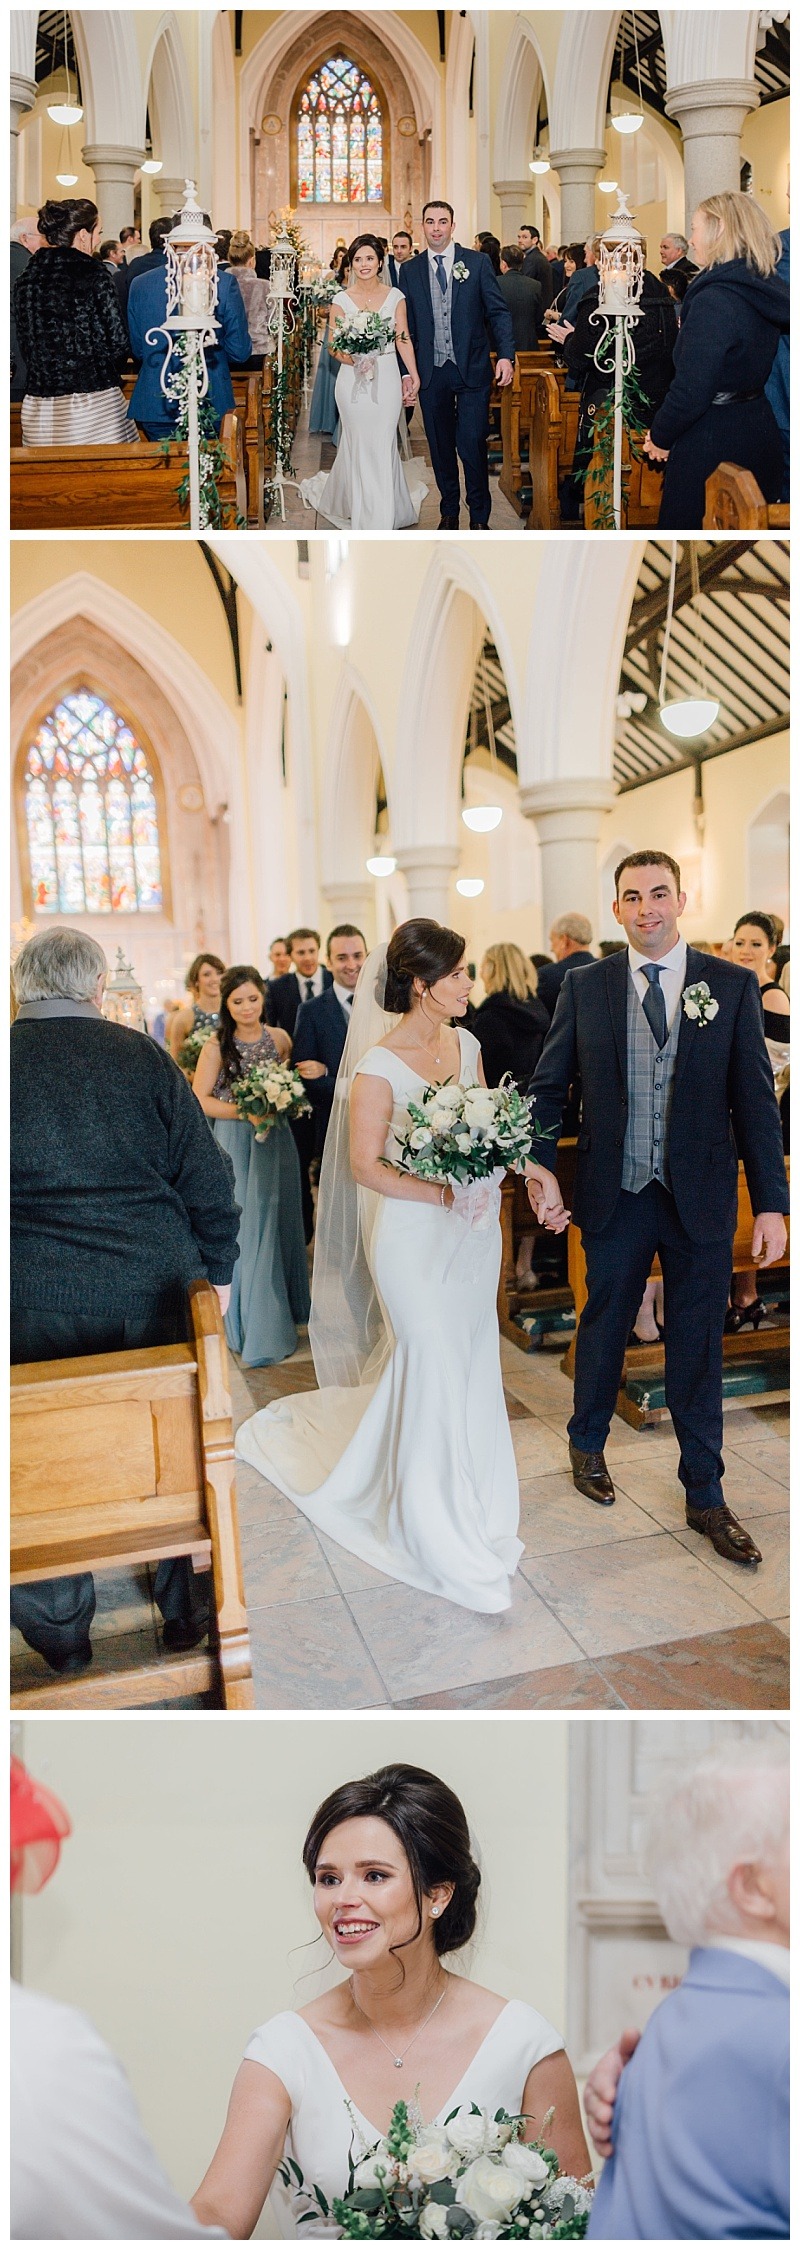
(113, 170)
(577, 170)
(169, 194)
(352, 902)
(23, 96)
(711, 114)
(515, 198)
(567, 815)
(428, 869)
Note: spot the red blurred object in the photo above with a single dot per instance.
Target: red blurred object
(39, 1824)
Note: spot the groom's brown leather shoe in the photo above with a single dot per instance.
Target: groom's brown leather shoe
(591, 1476)
(725, 1533)
(448, 523)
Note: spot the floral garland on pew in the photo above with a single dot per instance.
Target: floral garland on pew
(598, 474)
(212, 456)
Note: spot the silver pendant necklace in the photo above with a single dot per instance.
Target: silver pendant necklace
(399, 2060)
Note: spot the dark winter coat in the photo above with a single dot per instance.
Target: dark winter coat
(511, 1034)
(732, 320)
(69, 324)
(523, 297)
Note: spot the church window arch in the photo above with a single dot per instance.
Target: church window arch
(340, 129)
(91, 792)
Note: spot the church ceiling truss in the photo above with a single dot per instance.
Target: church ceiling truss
(50, 55)
(490, 726)
(742, 644)
(771, 69)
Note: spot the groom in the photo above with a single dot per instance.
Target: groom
(669, 1048)
(451, 293)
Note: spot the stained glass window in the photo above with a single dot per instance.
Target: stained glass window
(339, 137)
(91, 814)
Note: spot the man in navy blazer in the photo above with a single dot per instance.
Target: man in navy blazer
(569, 941)
(676, 1085)
(147, 306)
(305, 980)
(449, 333)
(695, 2128)
(321, 1027)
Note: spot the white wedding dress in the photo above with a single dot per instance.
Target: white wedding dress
(415, 1472)
(323, 2128)
(367, 490)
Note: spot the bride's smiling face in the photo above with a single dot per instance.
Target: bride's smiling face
(450, 994)
(365, 265)
(364, 1896)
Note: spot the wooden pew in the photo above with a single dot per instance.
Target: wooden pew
(248, 385)
(517, 1219)
(643, 1370)
(642, 488)
(122, 1459)
(516, 415)
(554, 431)
(735, 503)
(116, 487)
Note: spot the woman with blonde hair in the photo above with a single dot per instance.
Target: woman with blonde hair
(254, 294)
(734, 314)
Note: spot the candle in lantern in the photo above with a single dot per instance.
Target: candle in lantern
(195, 294)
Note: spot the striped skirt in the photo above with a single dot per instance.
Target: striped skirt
(78, 418)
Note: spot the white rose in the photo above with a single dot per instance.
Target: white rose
(432, 2157)
(433, 2222)
(449, 1097)
(691, 1007)
(527, 2163)
(374, 2169)
(489, 2190)
(463, 1139)
(712, 1009)
(441, 1120)
(421, 1137)
(283, 1101)
(474, 2132)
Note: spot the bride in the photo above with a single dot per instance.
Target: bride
(395, 1889)
(404, 1454)
(366, 489)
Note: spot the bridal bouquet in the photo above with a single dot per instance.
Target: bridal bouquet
(463, 1134)
(189, 1051)
(473, 2178)
(271, 1092)
(364, 335)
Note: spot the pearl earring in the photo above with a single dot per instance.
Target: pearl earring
(436, 1910)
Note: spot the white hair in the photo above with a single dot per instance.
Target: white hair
(58, 965)
(732, 1807)
(575, 926)
(23, 227)
(669, 235)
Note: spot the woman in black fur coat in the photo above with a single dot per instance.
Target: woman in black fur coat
(72, 335)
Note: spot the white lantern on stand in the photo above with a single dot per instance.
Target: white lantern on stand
(282, 289)
(191, 274)
(621, 275)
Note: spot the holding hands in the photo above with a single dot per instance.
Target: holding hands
(545, 1198)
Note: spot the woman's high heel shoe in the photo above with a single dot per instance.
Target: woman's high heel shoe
(738, 1317)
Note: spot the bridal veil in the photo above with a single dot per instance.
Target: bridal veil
(349, 1337)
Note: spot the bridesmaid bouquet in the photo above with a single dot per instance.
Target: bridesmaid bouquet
(462, 1134)
(189, 1052)
(473, 2178)
(271, 1092)
(324, 289)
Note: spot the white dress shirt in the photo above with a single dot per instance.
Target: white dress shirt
(449, 256)
(673, 967)
(317, 983)
(82, 2167)
(344, 998)
(772, 1957)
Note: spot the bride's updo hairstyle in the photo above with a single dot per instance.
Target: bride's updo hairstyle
(430, 1823)
(365, 242)
(418, 949)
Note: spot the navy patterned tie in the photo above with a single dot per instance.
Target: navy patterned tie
(441, 275)
(654, 1004)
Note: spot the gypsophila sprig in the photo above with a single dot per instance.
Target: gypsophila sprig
(272, 1093)
(473, 2177)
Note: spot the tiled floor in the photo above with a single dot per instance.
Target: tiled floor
(620, 1608)
(309, 454)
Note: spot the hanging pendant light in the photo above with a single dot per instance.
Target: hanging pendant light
(68, 111)
(608, 187)
(629, 120)
(686, 716)
(65, 175)
(539, 162)
(482, 818)
(470, 886)
(381, 865)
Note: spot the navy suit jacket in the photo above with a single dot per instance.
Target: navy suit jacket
(320, 1034)
(284, 1001)
(723, 1096)
(147, 304)
(550, 978)
(701, 2120)
(478, 301)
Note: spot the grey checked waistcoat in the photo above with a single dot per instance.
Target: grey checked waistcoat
(651, 1072)
(442, 318)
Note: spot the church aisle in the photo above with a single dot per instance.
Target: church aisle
(310, 454)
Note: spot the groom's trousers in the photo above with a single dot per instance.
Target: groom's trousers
(456, 424)
(697, 1277)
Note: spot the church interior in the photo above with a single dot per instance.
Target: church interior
(322, 727)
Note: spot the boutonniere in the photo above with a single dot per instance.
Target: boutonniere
(460, 271)
(698, 1004)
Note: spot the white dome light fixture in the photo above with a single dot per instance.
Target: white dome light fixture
(152, 164)
(470, 886)
(67, 179)
(608, 187)
(626, 121)
(64, 113)
(482, 818)
(381, 865)
(629, 120)
(686, 716)
(539, 162)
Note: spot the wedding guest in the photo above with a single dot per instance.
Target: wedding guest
(224, 237)
(323, 417)
(321, 1027)
(754, 948)
(511, 1024)
(132, 243)
(270, 1293)
(72, 335)
(111, 254)
(254, 295)
(280, 958)
(25, 241)
(147, 306)
(402, 250)
(555, 260)
(200, 1011)
(652, 343)
(523, 297)
(570, 942)
(573, 262)
(693, 2117)
(535, 264)
(733, 317)
(82, 2168)
(675, 1088)
(584, 277)
(490, 246)
(675, 261)
(777, 389)
(306, 980)
(142, 261)
(118, 1200)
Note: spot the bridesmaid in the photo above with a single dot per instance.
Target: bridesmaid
(270, 1292)
(200, 1010)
